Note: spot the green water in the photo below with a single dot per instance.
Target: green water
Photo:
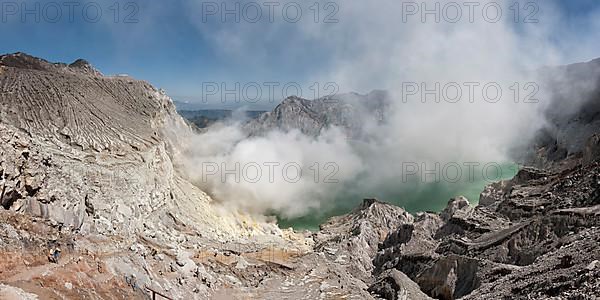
(414, 197)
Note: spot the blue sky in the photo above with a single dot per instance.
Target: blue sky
(170, 46)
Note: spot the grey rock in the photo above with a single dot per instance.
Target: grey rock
(395, 285)
(572, 112)
(593, 265)
(591, 151)
(450, 277)
(459, 205)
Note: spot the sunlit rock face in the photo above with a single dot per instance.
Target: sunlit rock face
(89, 151)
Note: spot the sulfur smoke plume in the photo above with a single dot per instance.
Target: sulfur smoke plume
(372, 47)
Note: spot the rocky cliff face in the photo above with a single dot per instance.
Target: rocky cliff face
(94, 207)
(91, 152)
(94, 156)
(573, 113)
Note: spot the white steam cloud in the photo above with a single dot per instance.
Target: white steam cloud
(268, 168)
(369, 48)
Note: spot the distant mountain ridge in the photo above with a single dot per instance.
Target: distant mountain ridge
(347, 111)
(25, 61)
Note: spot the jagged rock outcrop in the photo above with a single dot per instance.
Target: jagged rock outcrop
(355, 237)
(500, 248)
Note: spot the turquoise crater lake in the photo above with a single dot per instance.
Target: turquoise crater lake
(414, 197)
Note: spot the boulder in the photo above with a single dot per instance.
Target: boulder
(450, 277)
(395, 285)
